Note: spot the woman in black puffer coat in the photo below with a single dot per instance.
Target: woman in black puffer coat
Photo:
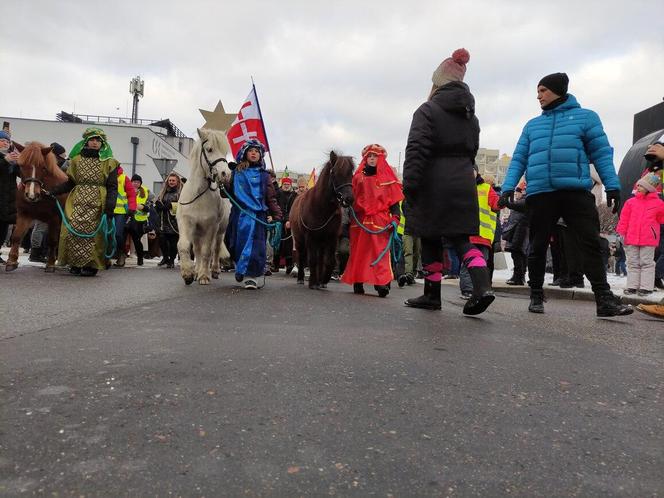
(439, 183)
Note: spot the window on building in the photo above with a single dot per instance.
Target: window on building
(156, 187)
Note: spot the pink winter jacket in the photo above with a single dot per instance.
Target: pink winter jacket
(640, 219)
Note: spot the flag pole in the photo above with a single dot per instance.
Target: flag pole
(260, 113)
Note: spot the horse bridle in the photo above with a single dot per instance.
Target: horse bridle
(211, 164)
(338, 197)
(335, 188)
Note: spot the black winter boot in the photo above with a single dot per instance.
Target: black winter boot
(536, 301)
(482, 294)
(383, 290)
(431, 298)
(38, 255)
(610, 305)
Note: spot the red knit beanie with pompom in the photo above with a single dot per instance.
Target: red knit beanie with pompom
(451, 69)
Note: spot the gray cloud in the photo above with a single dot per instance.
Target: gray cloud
(329, 76)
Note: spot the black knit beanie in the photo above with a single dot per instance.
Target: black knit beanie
(57, 148)
(137, 178)
(556, 82)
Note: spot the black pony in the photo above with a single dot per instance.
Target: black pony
(315, 220)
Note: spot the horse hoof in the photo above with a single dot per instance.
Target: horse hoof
(323, 286)
(215, 275)
(203, 280)
(50, 269)
(11, 266)
(301, 282)
(314, 286)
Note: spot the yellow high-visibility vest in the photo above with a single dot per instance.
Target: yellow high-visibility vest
(402, 221)
(122, 203)
(141, 199)
(487, 216)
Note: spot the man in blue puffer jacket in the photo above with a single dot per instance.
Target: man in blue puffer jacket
(555, 151)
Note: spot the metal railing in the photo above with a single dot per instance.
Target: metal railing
(91, 118)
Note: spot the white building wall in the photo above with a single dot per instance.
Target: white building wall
(150, 145)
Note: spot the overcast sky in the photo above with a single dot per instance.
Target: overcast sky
(338, 74)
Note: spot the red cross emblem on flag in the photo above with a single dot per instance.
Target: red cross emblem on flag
(248, 125)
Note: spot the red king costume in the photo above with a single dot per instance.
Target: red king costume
(377, 195)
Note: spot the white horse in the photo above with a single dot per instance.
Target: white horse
(201, 213)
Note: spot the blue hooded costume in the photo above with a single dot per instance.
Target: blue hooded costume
(245, 237)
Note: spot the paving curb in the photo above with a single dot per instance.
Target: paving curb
(558, 293)
(579, 295)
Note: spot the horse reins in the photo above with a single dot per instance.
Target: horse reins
(337, 196)
(211, 164)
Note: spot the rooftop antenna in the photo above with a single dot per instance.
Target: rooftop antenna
(136, 88)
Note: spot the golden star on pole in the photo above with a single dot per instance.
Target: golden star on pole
(218, 119)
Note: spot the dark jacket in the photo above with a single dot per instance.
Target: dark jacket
(167, 221)
(438, 176)
(8, 173)
(515, 230)
(285, 200)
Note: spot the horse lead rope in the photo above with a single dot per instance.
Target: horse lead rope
(394, 241)
(275, 241)
(107, 228)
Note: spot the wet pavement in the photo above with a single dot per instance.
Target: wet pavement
(131, 384)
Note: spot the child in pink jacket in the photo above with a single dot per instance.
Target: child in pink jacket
(639, 224)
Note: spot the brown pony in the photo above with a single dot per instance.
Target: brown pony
(39, 172)
(315, 220)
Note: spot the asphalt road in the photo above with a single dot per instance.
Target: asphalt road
(131, 384)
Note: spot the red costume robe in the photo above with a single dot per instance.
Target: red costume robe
(373, 197)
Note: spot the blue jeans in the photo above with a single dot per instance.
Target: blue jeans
(621, 267)
(454, 261)
(465, 283)
(120, 220)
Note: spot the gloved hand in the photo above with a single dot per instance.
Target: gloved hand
(613, 198)
(505, 197)
(655, 166)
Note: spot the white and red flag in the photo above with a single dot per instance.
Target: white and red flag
(248, 124)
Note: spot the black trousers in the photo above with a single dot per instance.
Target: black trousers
(169, 246)
(577, 208)
(432, 249)
(136, 231)
(572, 262)
(520, 261)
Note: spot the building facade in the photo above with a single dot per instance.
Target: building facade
(492, 165)
(151, 151)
